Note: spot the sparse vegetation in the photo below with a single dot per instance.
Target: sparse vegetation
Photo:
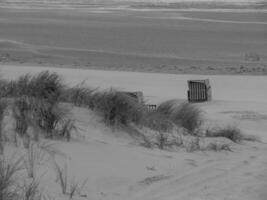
(10, 183)
(193, 144)
(231, 132)
(252, 56)
(218, 147)
(153, 179)
(185, 115)
(79, 96)
(73, 188)
(21, 113)
(67, 187)
(62, 177)
(50, 149)
(3, 106)
(158, 122)
(31, 191)
(33, 157)
(8, 172)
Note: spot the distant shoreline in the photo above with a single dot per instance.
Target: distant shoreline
(213, 5)
(155, 41)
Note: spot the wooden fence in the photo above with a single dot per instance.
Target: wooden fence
(151, 107)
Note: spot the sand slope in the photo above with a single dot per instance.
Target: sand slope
(117, 169)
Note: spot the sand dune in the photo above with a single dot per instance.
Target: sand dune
(237, 99)
(116, 168)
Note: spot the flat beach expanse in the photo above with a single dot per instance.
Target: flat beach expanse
(151, 40)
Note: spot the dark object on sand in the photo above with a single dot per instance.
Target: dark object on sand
(137, 95)
(199, 90)
(151, 107)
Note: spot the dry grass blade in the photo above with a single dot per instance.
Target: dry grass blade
(50, 149)
(31, 191)
(33, 157)
(62, 177)
(73, 188)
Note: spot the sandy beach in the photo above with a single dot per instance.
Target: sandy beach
(117, 169)
(154, 47)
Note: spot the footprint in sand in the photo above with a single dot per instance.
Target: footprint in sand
(252, 157)
(245, 162)
(248, 174)
(191, 162)
(152, 179)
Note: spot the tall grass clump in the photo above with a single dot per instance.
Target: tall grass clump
(45, 85)
(185, 115)
(79, 96)
(231, 132)
(118, 108)
(3, 106)
(21, 112)
(50, 118)
(8, 173)
(4, 88)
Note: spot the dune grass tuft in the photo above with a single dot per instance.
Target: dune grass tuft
(79, 96)
(45, 85)
(118, 108)
(185, 115)
(3, 106)
(21, 112)
(51, 118)
(31, 191)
